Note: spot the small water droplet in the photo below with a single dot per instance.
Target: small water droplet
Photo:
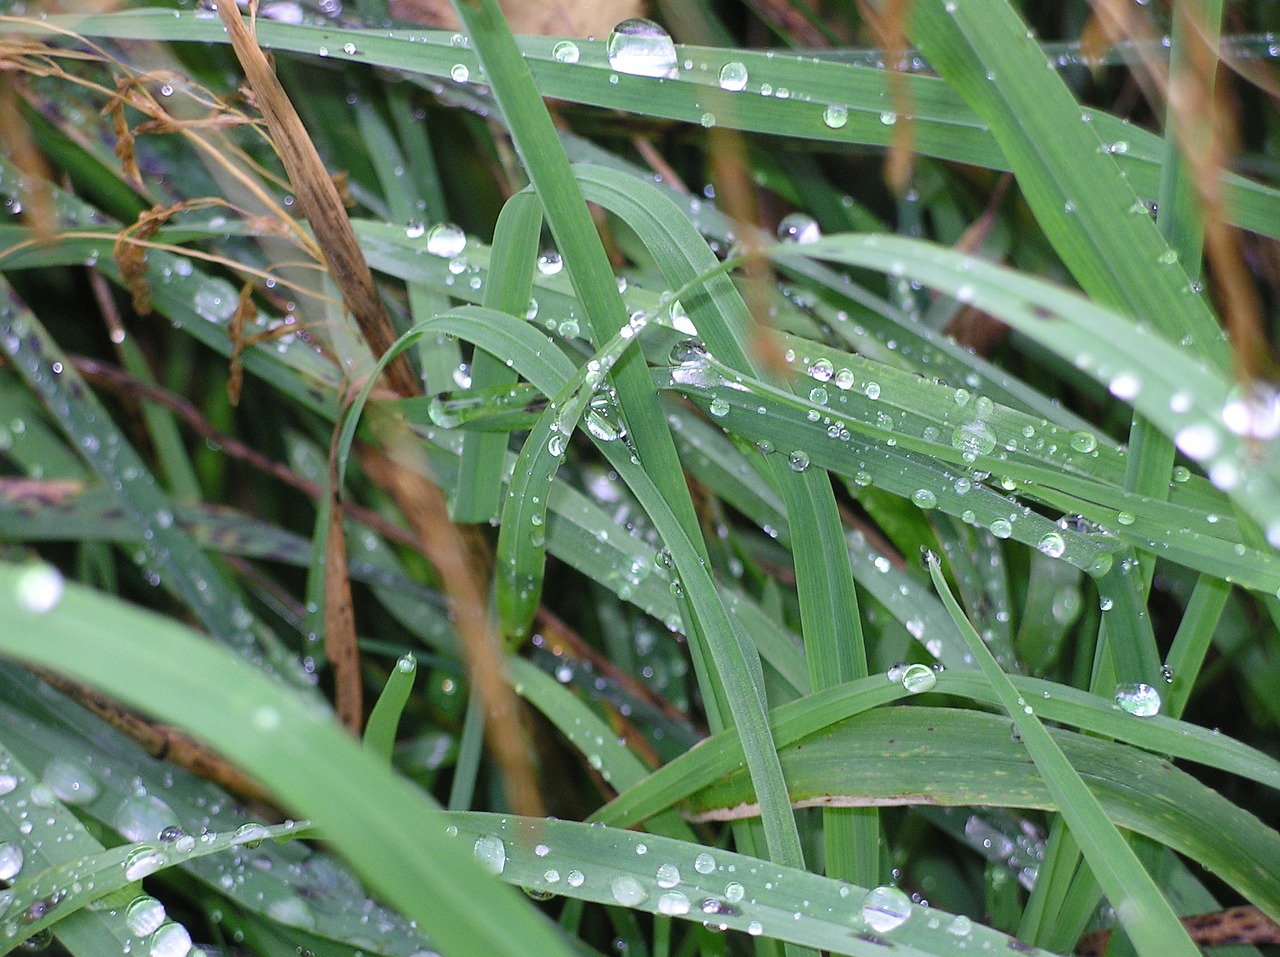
(733, 77)
(673, 904)
(704, 863)
(414, 229)
(1083, 441)
(799, 228)
(70, 780)
(973, 439)
(822, 370)
(11, 859)
(719, 407)
(566, 51)
(641, 48)
(924, 498)
(668, 876)
(459, 73)
(835, 116)
(798, 460)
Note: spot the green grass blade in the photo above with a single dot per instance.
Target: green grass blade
(363, 810)
(1141, 908)
(384, 720)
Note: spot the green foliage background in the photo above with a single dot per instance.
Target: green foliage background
(907, 507)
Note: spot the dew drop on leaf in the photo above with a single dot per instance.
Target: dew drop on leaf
(566, 51)
(491, 853)
(1139, 699)
(733, 77)
(641, 48)
(885, 908)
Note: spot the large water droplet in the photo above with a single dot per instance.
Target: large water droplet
(799, 228)
(1083, 441)
(641, 48)
(71, 781)
(142, 862)
(446, 240)
(885, 908)
(1138, 699)
(491, 853)
(627, 891)
(1253, 413)
(919, 678)
(704, 863)
(550, 263)
(1052, 544)
(144, 916)
(11, 858)
(673, 904)
(973, 439)
(798, 460)
(835, 116)
(924, 498)
(39, 587)
(171, 940)
(733, 77)
(668, 875)
(144, 818)
(291, 910)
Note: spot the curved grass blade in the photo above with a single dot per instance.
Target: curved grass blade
(360, 806)
(1146, 915)
(521, 540)
(380, 732)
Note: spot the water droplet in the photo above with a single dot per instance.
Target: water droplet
(799, 228)
(673, 904)
(668, 875)
(446, 240)
(888, 118)
(414, 229)
(1083, 441)
(11, 858)
(70, 781)
(39, 587)
(1126, 518)
(719, 407)
(704, 863)
(627, 891)
(1052, 544)
(871, 390)
(171, 940)
(292, 910)
(641, 48)
(491, 853)
(550, 263)
(1253, 413)
(1139, 699)
(733, 77)
(144, 916)
(755, 928)
(566, 51)
(734, 892)
(1199, 441)
(960, 926)
(924, 498)
(918, 678)
(556, 444)
(973, 439)
(822, 370)
(844, 379)
(835, 116)
(1001, 528)
(798, 460)
(1125, 386)
(141, 862)
(576, 878)
(459, 73)
(885, 908)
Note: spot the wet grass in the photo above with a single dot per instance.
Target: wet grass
(872, 428)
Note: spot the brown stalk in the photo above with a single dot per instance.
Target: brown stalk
(1234, 926)
(889, 25)
(318, 199)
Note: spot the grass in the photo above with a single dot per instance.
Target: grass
(607, 551)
